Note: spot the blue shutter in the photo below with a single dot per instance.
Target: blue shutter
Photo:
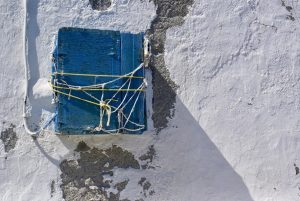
(96, 52)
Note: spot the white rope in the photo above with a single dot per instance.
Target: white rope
(136, 124)
(123, 98)
(132, 109)
(105, 107)
(128, 80)
(138, 89)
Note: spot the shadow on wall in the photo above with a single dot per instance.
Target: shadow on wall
(187, 153)
(188, 159)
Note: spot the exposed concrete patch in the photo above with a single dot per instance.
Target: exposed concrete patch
(9, 138)
(169, 13)
(100, 5)
(146, 187)
(52, 188)
(120, 187)
(296, 169)
(82, 146)
(152, 192)
(148, 158)
(82, 179)
(289, 9)
(142, 180)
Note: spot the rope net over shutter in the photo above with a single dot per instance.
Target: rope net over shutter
(98, 82)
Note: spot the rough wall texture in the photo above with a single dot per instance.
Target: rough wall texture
(100, 5)
(9, 138)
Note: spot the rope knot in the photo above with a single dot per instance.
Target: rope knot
(104, 108)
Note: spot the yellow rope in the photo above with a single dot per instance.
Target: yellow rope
(94, 103)
(93, 89)
(95, 75)
(111, 100)
(102, 104)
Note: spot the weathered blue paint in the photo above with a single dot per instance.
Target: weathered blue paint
(89, 51)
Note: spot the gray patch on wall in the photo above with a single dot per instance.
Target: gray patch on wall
(90, 176)
(52, 188)
(169, 13)
(145, 187)
(100, 5)
(83, 179)
(147, 158)
(9, 138)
